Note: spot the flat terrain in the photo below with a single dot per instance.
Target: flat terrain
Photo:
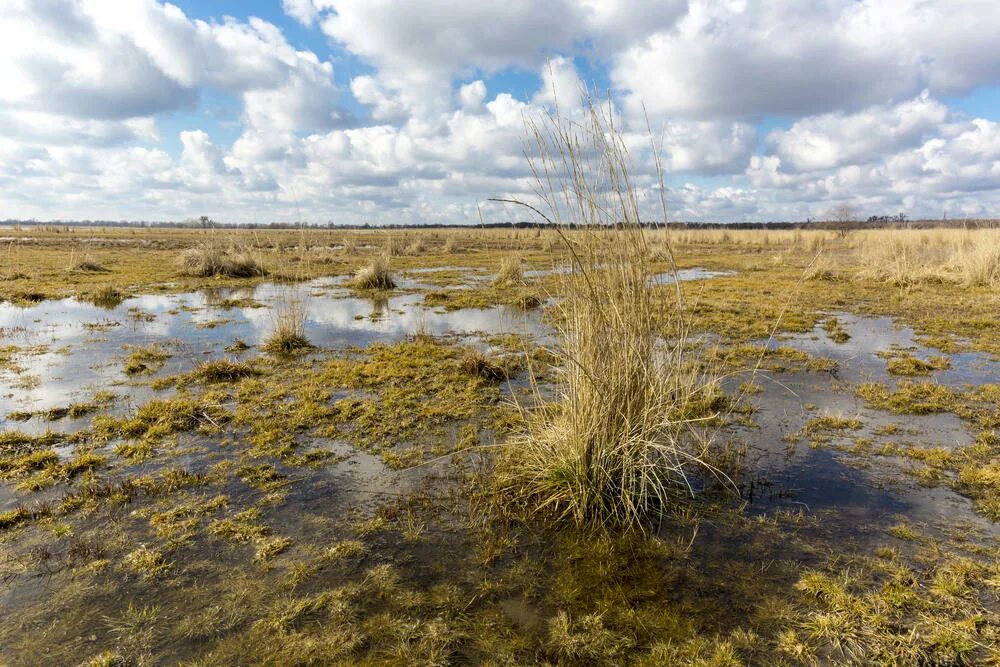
(224, 448)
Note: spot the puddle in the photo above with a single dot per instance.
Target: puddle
(868, 489)
(86, 344)
(683, 275)
(858, 361)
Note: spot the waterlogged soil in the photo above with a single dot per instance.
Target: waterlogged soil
(65, 350)
(328, 506)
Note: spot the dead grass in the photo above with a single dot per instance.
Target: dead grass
(910, 257)
(375, 276)
(289, 334)
(224, 370)
(210, 258)
(474, 362)
(510, 273)
(615, 447)
(88, 266)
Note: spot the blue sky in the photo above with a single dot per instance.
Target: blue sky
(414, 110)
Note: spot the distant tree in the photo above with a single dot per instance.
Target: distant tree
(843, 216)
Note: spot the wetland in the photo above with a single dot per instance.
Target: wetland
(289, 464)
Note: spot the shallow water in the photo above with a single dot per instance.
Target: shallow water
(858, 360)
(854, 502)
(86, 344)
(858, 491)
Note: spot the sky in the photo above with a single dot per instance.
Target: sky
(414, 111)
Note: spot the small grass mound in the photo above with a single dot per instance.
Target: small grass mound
(237, 346)
(146, 360)
(289, 335)
(374, 276)
(510, 273)
(106, 296)
(224, 370)
(88, 266)
(909, 365)
(474, 362)
(526, 300)
(209, 259)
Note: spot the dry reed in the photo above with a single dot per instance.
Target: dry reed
(619, 442)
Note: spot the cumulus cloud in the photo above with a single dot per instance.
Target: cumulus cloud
(454, 37)
(101, 59)
(561, 84)
(796, 58)
(835, 139)
(440, 92)
(707, 146)
(304, 11)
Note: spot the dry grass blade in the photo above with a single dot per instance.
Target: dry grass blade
(210, 259)
(510, 273)
(619, 442)
(289, 335)
(375, 276)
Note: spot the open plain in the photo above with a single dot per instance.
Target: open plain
(315, 446)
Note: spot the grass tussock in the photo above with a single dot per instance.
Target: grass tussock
(147, 359)
(105, 296)
(905, 258)
(908, 365)
(510, 273)
(210, 258)
(88, 266)
(375, 276)
(224, 370)
(474, 362)
(618, 443)
(289, 334)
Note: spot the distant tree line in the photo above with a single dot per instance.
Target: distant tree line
(837, 221)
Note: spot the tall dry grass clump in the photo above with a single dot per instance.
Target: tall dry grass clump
(618, 443)
(510, 272)
(375, 275)
(289, 332)
(416, 247)
(979, 264)
(905, 257)
(211, 258)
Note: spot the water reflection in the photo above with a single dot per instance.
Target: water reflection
(858, 356)
(85, 344)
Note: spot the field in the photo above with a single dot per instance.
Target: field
(360, 447)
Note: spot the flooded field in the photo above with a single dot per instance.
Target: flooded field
(293, 468)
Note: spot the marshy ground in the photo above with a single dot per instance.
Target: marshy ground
(277, 448)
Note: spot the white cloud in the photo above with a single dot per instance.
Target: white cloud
(744, 58)
(835, 139)
(968, 162)
(91, 86)
(561, 85)
(710, 147)
(303, 11)
(386, 104)
(472, 95)
(103, 59)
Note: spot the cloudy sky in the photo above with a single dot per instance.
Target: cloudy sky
(411, 111)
